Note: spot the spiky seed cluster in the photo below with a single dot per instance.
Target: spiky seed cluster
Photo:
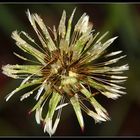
(66, 70)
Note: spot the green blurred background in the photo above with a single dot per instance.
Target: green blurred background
(121, 20)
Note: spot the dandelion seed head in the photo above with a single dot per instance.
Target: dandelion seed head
(65, 70)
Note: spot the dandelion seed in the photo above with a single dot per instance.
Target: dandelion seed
(65, 68)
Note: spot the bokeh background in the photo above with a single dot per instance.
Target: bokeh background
(121, 20)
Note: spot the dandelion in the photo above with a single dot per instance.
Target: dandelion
(65, 70)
